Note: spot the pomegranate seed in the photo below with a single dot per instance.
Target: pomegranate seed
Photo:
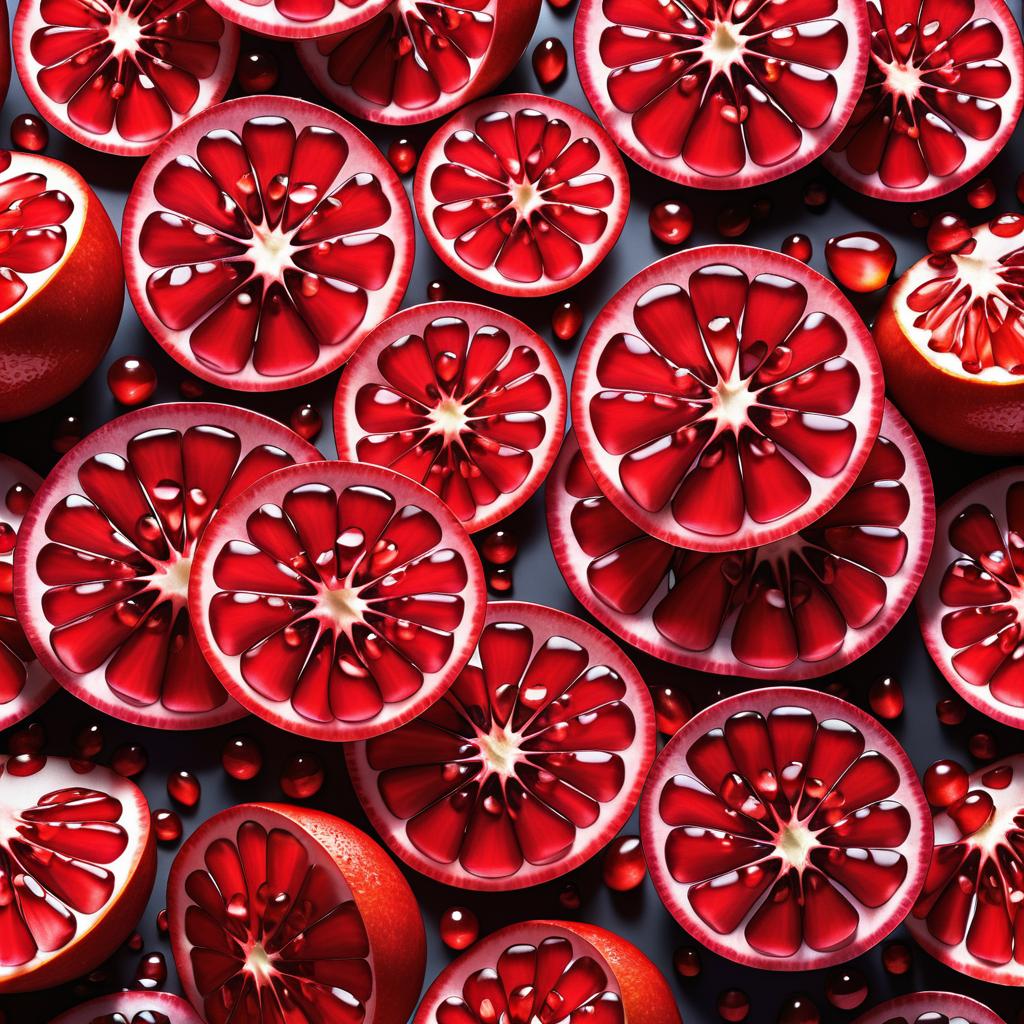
(948, 233)
(129, 760)
(920, 218)
(18, 498)
(402, 155)
(846, 988)
(686, 961)
(499, 581)
(549, 61)
(733, 221)
(733, 1005)
(945, 783)
(974, 811)
(569, 897)
(134, 942)
(29, 739)
(998, 778)
(67, 432)
(982, 194)
(131, 379)
(672, 708)
(162, 924)
(499, 547)
(671, 222)
(242, 758)
(886, 697)
(861, 262)
(982, 746)
(459, 927)
(151, 972)
(306, 421)
(191, 388)
(815, 195)
(89, 742)
(437, 291)
(566, 321)
(302, 777)
(799, 247)
(166, 825)
(183, 788)
(799, 1009)
(951, 710)
(30, 132)
(896, 958)
(257, 71)
(24, 765)
(623, 866)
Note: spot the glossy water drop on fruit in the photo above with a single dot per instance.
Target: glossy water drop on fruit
(945, 783)
(499, 547)
(301, 777)
(623, 866)
(499, 581)
(799, 247)
(671, 222)
(166, 825)
(306, 421)
(886, 697)
(437, 291)
(162, 924)
(27, 739)
(151, 972)
(816, 195)
(67, 432)
(896, 958)
(549, 61)
(569, 896)
(129, 760)
(733, 1005)
(242, 758)
(88, 741)
(402, 155)
(951, 710)
(257, 71)
(183, 788)
(948, 233)
(459, 927)
(686, 961)
(846, 988)
(798, 1008)
(30, 132)
(982, 194)
(733, 221)
(132, 380)
(566, 320)
(672, 708)
(982, 746)
(861, 261)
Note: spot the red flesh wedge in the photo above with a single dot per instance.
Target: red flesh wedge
(930, 1008)
(132, 1008)
(77, 861)
(726, 397)
(786, 829)
(521, 195)
(102, 569)
(337, 600)
(527, 767)
(412, 63)
(298, 19)
(263, 240)
(464, 399)
(118, 76)
(550, 970)
(285, 915)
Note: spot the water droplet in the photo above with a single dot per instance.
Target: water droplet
(951, 710)
(67, 432)
(306, 421)
(129, 760)
(846, 988)
(301, 777)
(982, 194)
(672, 708)
(166, 825)
(733, 1005)
(88, 742)
(132, 380)
(29, 132)
(982, 746)
(945, 783)
(257, 72)
(862, 261)
(151, 972)
(623, 866)
(183, 788)
(948, 233)
(18, 498)
(566, 320)
(686, 961)
(671, 222)
(799, 247)
(896, 958)
(499, 547)
(242, 758)
(549, 61)
(403, 155)
(499, 581)
(437, 291)
(886, 697)
(459, 927)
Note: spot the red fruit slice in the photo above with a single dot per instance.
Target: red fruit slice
(550, 971)
(726, 397)
(298, 19)
(527, 767)
(60, 275)
(410, 64)
(77, 861)
(131, 1008)
(464, 399)
(263, 240)
(337, 600)
(951, 338)
(944, 89)
(106, 551)
(5, 54)
(930, 1008)
(720, 95)
(286, 915)
(797, 608)
(970, 601)
(786, 829)
(118, 77)
(521, 194)
(969, 915)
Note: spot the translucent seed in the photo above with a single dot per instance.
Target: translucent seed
(982, 194)
(569, 897)
(733, 221)
(437, 291)
(566, 321)
(89, 741)
(798, 1009)
(306, 421)
(896, 958)
(499, 581)
(846, 988)
(671, 222)
(686, 960)
(129, 760)
(799, 247)
(499, 547)
(733, 1005)
(886, 697)
(948, 233)
(951, 710)
(672, 708)
(549, 61)
(132, 380)
(257, 72)
(166, 826)
(28, 739)
(242, 758)
(29, 132)
(945, 783)
(459, 927)
(982, 746)
(402, 155)
(815, 195)
(183, 788)
(623, 866)
(861, 261)
(67, 432)
(151, 972)
(302, 776)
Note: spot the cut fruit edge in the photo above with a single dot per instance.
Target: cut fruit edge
(246, 14)
(103, 1008)
(907, 1009)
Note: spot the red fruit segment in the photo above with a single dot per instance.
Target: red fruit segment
(118, 77)
(529, 764)
(263, 240)
(944, 89)
(786, 829)
(465, 400)
(929, 1008)
(297, 19)
(726, 397)
(337, 600)
(131, 1008)
(76, 865)
(797, 608)
(521, 194)
(106, 554)
(722, 95)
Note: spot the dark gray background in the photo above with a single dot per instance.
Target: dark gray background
(638, 916)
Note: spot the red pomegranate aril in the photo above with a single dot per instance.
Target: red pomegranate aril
(798, 247)
(671, 222)
(162, 925)
(135, 942)
(132, 380)
(242, 758)
(257, 71)
(982, 194)
(982, 746)
(183, 788)
(815, 195)
(499, 547)
(569, 896)
(438, 291)
(846, 988)
(403, 154)
(862, 261)
(30, 133)
(459, 928)
(88, 741)
(886, 697)
(302, 777)
(166, 825)
(129, 760)
(500, 581)
(672, 708)
(733, 1005)
(623, 866)
(151, 972)
(549, 61)
(945, 783)
(733, 221)
(948, 233)
(686, 961)
(306, 421)
(566, 320)
(950, 710)
(27, 739)
(798, 1009)
(67, 432)
(896, 958)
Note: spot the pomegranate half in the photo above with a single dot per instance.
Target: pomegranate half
(930, 1008)
(786, 829)
(132, 1008)
(951, 337)
(412, 63)
(297, 19)
(117, 76)
(521, 195)
(464, 399)
(722, 95)
(77, 862)
(944, 89)
(550, 971)
(60, 277)
(525, 768)
(106, 551)
(287, 915)
(263, 239)
(797, 608)
(970, 915)
(726, 397)
(337, 600)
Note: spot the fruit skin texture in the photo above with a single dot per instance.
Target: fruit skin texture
(50, 343)
(129, 1003)
(909, 1007)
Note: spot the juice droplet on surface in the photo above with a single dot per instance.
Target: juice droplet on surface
(183, 788)
(623, 866)
(886, 697)
(306, 421)
(166, 825)
(549, 61)
(402, 155)
(459, 927)
(566, 320)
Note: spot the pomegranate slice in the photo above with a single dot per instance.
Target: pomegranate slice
(298, 19)
(786, 829)
(263, 240)
(951, 338)
(77, 862)
(726, 397)
(287, 915)
(722, 95)
(412, 63)
(464, 399)
(930, 1008)
(944, 89)
(797, 608)
(970, 916)
(528, 766)
(970, 601)
(337, 600)
(521, 194)
(102, 569)
(550, 971)
(132, 1008)
(118, 76)
(60, 276)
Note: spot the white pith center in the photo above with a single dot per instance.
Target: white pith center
(526, 196)
(902, 80)
(449, 417)
(173, 581)
(732, 400)
(271, 252)
(500, 751)
(795, 843)
(724, 46)
(992, 835)
(124, 32)
(343, 605)
(258, 962)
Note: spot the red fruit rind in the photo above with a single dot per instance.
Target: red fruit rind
(540, 968)
(128, 1004)
(337, 600)
(528, 766)
(297, 907)
(81, 860)
(786, 829)
(924, 1006)
(297, 19)
(464, 399)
